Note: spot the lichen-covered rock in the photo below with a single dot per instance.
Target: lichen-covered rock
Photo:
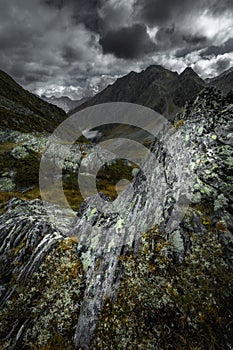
(46, 305)
(202, 135)
(174, 281)
(7, 183)
(20, 156)
(41, 275)
(165, 305)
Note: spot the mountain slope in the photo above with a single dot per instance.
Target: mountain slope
(21, 110)
(223, 82)
(156, 87)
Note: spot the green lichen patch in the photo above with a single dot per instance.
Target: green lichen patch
(48, 303)
(163, 304)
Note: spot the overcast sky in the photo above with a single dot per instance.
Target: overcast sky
(77, 47)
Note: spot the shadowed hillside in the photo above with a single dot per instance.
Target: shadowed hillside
(21, 110)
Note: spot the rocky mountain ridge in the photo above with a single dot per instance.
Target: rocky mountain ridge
(158, 88)
(155, 87)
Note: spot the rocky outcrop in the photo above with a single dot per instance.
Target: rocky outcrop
(173, 280)
(38, 264)
(201, 143)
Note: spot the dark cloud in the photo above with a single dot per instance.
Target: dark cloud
(87, 12)
(153, 11)
(129, 42)
(219, 7)
(219, 50)
(59, 4)
(222, 65)
(190, 44)
(194, 39)
(82, 11)
(161, 12)
(184, 51)
(63, 46)
(115, 14)
(71, 54)
(168, 38)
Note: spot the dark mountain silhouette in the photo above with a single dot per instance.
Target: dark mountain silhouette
(158, 88)
(155, 87)
(21, 110)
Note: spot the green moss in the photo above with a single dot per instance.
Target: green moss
(28, 170)
(110, 174)
(71, 190)
(171, 107)
(50, 299)
(165, 305)
(57, 342)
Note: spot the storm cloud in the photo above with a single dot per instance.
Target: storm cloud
(129, 42)
(221, 49)
(77, 47)
(161, 12)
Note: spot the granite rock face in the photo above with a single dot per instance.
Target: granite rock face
(183, 191)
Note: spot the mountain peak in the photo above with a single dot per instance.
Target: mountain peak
(189, 71)
(158, 68)
(155, 87)
(155, 66)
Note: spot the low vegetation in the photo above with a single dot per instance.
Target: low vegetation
(166, 304)
(50, 300)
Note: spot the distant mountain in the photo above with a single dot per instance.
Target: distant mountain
(223, 82)
(159, 88)
(156, 87)
(21, 110)
(64, 102)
